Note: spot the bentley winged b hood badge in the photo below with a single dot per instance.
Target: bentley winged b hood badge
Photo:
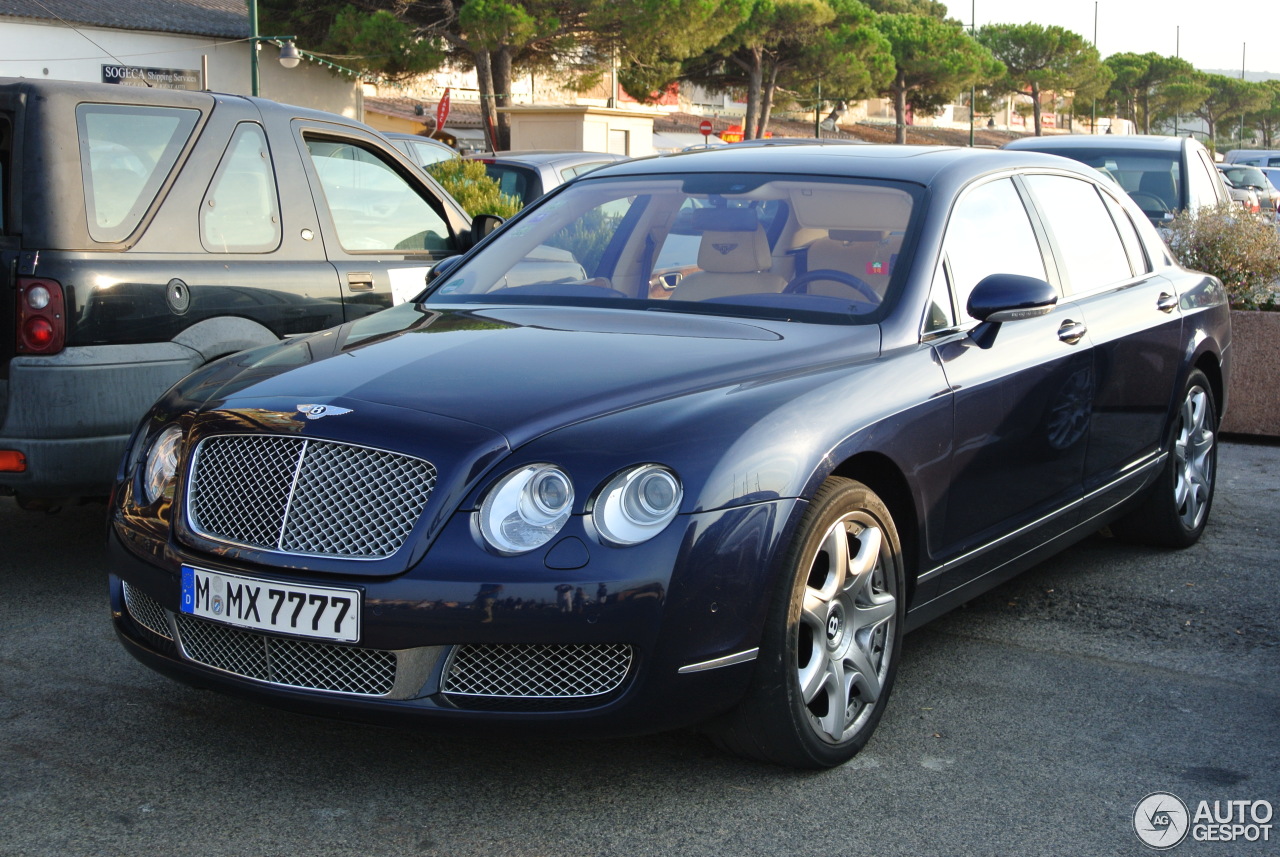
(315, 412)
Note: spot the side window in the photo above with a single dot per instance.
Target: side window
(241, 211)
(126, 152)
(1128, 235)
(989, 233)
(1092, 254)
(427, 155)
(1203, 183)
(938, 315)
(374, 208)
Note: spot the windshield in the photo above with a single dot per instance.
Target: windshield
(812, 248)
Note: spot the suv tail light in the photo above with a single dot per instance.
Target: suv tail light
(42, 320)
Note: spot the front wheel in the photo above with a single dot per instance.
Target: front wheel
(1176, 508)
(830, 647)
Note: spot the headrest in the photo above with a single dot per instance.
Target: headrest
(859, 236)
(724, 220)
(736, 252)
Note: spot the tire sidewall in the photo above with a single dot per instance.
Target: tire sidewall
(838, 498)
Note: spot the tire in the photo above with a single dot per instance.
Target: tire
(1176, 508)
(830, 646)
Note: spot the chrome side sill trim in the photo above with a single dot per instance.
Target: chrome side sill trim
(1158, 461)
(726, 661)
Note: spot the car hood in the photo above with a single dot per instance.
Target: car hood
(523, 371)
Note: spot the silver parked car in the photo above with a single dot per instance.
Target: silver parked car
(527, 175)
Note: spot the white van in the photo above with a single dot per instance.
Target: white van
(1254, 157)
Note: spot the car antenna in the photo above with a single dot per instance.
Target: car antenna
(80, 33)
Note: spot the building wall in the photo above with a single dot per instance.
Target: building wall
(54, 51)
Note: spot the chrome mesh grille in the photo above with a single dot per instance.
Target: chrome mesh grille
(280, 660)
(309, 497)
(537, 671)
(146, 611)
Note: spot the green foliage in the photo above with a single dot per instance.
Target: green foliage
(367, 39)
(1042, 59)
(1242, 251)
(467, 182)
(1229, 98)
(933, 61)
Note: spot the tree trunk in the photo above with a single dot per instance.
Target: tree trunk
(766, 101)
(755, 75)
(1146, 111)
(899, 90)
(502, 93)
(484, 80)
(1036, 109)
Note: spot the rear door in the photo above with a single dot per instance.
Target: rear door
(1133, 319)
(383, 222)
(219, 242)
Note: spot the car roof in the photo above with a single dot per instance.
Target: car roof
(400, 135)
(1102, 142)
(921, 164)
(543, 156)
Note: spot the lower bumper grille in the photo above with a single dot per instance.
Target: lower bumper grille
(537, 671)
(286, 661)
(479, 677)
(147, 612)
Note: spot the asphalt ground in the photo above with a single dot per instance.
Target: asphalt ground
(1032, 721)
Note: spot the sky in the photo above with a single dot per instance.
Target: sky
(1207, 36)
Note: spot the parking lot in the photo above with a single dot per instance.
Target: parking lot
(1032, 721)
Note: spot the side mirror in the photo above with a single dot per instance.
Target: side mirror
(1002, 298)
(482, 225)
(442, 268)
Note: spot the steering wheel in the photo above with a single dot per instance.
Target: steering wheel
(800, 285)
(1142, 198)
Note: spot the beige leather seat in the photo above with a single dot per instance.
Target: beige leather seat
(732, 263)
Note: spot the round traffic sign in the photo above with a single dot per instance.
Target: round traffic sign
(705, 127)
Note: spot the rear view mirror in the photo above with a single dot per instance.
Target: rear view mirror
(482, 225)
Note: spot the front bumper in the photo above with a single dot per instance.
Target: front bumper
(632, 640)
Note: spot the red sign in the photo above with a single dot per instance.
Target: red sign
(442, 109)
(705, 127)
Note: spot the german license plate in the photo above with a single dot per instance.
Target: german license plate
(320, 612)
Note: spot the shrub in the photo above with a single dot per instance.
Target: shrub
(468, 183)
(1242, 251)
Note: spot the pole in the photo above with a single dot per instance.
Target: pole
(973, 91)
(1093, 118)
(1177, 52)
(1243, 46)
(817, 113)
(253, 48)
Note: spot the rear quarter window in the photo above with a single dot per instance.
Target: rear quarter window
(126, 153)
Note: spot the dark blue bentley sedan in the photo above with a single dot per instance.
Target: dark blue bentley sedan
(692, 440)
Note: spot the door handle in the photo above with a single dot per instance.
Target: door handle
(361, 281)
(1072, 332)
(1166, 302)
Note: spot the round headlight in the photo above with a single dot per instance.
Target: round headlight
(526, 508)
(161, 468)
(637, 504)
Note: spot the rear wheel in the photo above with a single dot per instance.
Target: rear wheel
(830, 648)
(1176, 509)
